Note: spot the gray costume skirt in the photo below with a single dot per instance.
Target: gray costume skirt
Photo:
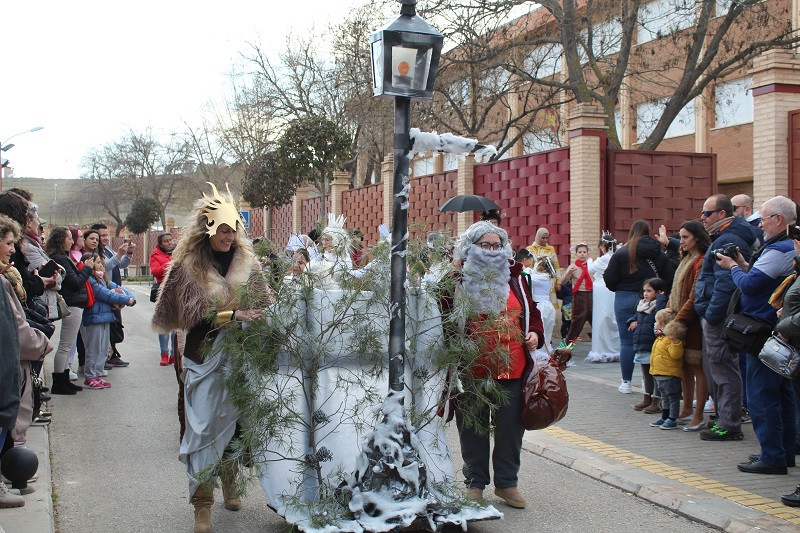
(210, 416)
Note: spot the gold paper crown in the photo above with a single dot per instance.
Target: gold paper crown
(219, 211)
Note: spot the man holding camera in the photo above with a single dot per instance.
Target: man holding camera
(770, 400)
(114, 262)
(713, 291)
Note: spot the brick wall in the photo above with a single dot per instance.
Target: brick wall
(532, 191)
(363, 210)
(281, 224)
(659, 187)
(257, 225)
(731, 189)
(427, 194)
(311, 212)
(736, 143)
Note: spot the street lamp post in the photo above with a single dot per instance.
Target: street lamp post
(6, 147)
(405, 59)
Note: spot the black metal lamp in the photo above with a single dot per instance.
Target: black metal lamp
(405, 56)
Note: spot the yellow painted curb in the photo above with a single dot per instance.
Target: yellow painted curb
(734, 494)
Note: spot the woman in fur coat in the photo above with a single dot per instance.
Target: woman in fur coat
(198, 298)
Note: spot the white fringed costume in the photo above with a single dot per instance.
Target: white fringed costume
(605, 335)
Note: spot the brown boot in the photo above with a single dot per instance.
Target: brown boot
(512, 496)
(654, 407)
(202, 499)
(646, 401)
(231, 495)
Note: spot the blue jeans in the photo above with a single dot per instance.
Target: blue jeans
(743, 370)
(164, 342)
(624, 308)
(772, 410)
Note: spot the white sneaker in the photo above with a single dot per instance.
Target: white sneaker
(710, 407)
(625, 387)
(73, 376)
(104, 373)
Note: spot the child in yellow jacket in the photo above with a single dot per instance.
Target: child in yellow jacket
(666, 366)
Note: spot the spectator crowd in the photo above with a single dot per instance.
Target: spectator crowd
(666, 302)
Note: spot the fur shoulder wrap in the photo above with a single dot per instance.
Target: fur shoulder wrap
(184, 301)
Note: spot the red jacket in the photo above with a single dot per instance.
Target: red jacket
(159, 260)
(530, 319)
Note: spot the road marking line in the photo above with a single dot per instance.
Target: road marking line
(729, 492)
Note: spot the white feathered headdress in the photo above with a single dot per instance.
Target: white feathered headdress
(335, 230)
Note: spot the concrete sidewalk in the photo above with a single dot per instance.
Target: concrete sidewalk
(36, 516)
(603, 437)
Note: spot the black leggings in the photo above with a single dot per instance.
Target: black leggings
(649, 382)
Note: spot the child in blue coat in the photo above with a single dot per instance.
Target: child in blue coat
(642, 324)
(95, 329)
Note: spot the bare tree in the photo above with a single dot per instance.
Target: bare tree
(683, 47)
(133, 166)
(103, 189)
(152, 167)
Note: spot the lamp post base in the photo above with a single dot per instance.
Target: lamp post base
(390, 490)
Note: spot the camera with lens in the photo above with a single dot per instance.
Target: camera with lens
(730, 250)
(793, 232)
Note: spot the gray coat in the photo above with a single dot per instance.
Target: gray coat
(9, 363)
(33, 345)
(37, 257)
(789, 323)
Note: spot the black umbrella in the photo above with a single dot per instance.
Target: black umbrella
(468, 202)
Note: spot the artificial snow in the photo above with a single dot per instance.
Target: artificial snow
(449, 143)
(344, 414)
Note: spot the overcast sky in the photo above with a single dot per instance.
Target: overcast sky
(88, 71)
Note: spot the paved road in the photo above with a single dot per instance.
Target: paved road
(115, 466)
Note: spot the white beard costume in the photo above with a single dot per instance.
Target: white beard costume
(484, 280)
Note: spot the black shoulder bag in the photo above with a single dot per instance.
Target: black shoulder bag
(743, 332)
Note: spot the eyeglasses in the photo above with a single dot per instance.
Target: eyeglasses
(709, 213)
(490, 245)
(763, 218)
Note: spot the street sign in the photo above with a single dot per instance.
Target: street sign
(245, 218)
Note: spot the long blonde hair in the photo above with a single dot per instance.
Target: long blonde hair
(194, 252)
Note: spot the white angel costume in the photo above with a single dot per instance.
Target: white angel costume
(605, 335)
(330, 265)
(298, 241)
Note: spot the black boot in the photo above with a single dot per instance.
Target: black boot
(69, 383)
(61, 384)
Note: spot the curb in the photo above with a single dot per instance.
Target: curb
(693, 503)
(37, 513)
